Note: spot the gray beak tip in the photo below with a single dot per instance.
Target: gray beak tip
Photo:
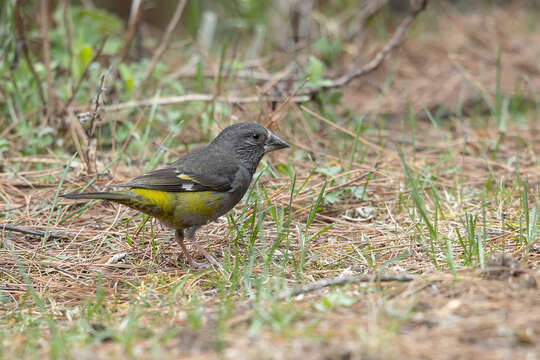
(274, 142)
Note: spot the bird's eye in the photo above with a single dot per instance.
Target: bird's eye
(255, 136)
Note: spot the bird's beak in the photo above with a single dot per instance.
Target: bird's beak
(273, 142)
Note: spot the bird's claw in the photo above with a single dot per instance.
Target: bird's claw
(199, 265)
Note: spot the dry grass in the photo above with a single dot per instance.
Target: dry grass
(462, 307)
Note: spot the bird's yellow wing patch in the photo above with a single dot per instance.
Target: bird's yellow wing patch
(186, 177)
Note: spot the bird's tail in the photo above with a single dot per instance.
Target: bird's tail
(128, 198)
(120, 196)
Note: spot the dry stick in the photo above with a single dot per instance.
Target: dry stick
(337, 281)
(98, 102)
(21, 41)
(52, 233)
(334, 188)
(340, 281)
(373, 64)
(91, 148)
(274, 79)
(165, 40)
(394, 41)
(249, 75)
(199, 97)
(304, 96)
(77, 134)
(135, 15)
(67, 25)
(89, 155)
(44, 7)
(278, 114)
(85, 73)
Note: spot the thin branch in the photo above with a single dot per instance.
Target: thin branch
(99, 100)
(302, 96)
(197, 97)
(44, 13)
(135, 15)
(337, 281)
(85, 73)
(51, 234)
(67, 24)
(250, 75)
(90, 153)
(165, 40)
(22, 43)
(374, 63)
(344, 80)
(341, 281)
(66, 18)
(91, 146)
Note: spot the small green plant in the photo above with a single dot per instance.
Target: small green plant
(304, 238)
(419, 203)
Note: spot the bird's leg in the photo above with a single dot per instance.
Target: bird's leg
(207, 255)
(179, 236)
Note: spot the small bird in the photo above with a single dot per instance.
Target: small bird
(200, 186)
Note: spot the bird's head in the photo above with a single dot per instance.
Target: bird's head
(248, 142)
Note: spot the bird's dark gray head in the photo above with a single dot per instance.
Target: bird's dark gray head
(248, 142)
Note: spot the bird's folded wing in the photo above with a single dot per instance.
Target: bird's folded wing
(174, 179)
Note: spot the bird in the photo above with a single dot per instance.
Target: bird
(200, 186)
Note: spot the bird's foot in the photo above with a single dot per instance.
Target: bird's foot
(179, 234)
(212, 260)
(194, 265)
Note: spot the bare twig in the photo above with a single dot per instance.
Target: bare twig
(51, 234)
(99, 100)
(341, 281)
(284, 74)
(165, 40)
(85, 73)
(135, 15)
(44, 10)
(78, 135)
(344, 80)
(67, 24)
(278, 113)
(374, 63)
(22, 43)
(89, 155)
(302, 96)
(198, 97)
(66, 18)
(91, 148)
(337, 281)
(247, 74)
